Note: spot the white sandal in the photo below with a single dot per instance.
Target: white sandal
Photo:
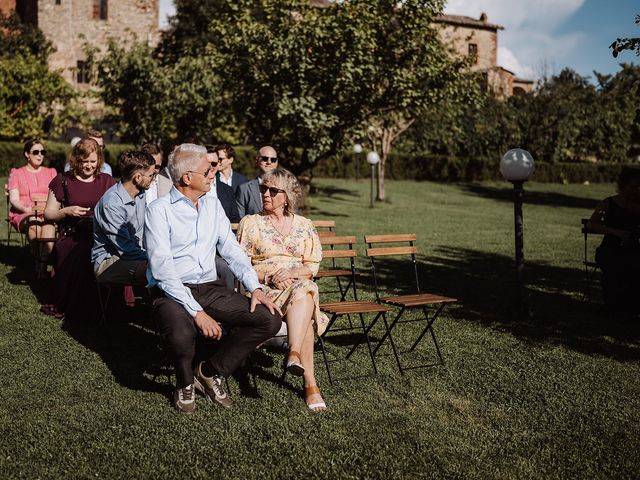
(314, 407)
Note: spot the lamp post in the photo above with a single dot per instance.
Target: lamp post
(357, 150)
(372, 159)
(516, 166)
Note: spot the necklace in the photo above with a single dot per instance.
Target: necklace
(284, 228)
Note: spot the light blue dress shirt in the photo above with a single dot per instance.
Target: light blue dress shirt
(181, 241)
(118, 226)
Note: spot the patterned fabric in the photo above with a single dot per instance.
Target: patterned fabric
(270, 250)
(29, 184)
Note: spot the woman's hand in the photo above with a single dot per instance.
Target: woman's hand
(75, 211)
(283, 275)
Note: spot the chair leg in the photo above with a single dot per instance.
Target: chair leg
(388, 332)
(103, 303)
(326, 360)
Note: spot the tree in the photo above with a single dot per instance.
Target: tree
(304, 77)
(622, 44)
(152, 100)
(31, 96)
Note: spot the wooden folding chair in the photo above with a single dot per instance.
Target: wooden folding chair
(331, 251)
(38, 207)
(325, 228)
(378, 246)
(588, 262)
(10, 227)
(347, 308)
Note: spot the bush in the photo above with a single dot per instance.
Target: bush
(451, 169)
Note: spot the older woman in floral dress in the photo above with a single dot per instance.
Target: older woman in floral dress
(285, 252)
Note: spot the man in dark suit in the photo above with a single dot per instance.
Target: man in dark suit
(226, 174)
(223, 191)
(248, 196)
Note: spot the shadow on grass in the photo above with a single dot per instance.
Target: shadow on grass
(23, 270)
(534, 198)
(328, 191)
(484, 285)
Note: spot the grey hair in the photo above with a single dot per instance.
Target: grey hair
(286, 180)
(184, 158)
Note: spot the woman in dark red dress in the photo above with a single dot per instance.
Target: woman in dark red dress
(72, 198)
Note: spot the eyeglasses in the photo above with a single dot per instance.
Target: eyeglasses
(42, 152)
(265, 159)
(273, 191)
(205, 174)
(150, 175)
(214, 164)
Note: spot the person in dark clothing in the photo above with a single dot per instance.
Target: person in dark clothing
(618, 218)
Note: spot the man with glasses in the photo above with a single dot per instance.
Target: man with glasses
(248, 197)
(118, 223)
(183, 232)
(161, 184)
(223, 191)
(226, 174)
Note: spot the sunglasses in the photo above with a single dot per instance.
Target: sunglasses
(42, 152)
(269, 159)
(205, 174)
(273, 191)
(214, 164)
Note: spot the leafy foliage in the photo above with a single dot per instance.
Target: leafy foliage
(622, 44)
(18, 38)
(303, 77)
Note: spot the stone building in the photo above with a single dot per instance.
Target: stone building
(68, 24)
(478, 39)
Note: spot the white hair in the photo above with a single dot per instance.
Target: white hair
(183, 158)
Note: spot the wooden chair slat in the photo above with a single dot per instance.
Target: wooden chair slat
(400, 237)
(338, 240)
(324, 223)
(377, 252)
(322, 234)
(339, 253)
(332, 273)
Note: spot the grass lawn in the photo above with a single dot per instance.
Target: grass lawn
(553, 395)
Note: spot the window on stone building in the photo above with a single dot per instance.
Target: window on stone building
(473, 52)
(58, 2)
(83, 72)
(100, 9)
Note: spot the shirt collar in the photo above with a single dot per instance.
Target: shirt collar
(124, 195)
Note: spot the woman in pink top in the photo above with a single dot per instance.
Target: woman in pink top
(26, 183)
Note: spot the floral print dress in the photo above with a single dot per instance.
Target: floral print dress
(269, 251)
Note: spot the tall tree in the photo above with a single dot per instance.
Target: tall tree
(303, 77)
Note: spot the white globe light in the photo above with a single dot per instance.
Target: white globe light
(373, 158)
(357, 148)
(516, 165)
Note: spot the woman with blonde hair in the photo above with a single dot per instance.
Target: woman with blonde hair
(285, 252)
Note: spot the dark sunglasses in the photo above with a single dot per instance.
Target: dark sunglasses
(42, 152)
(205, 174)
(214, 164)
(269, 159)
(273, 191)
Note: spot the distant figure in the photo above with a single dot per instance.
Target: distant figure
(97, 136)
(248, 195)
(618, 218)
(226, 174)
(223, 191)
(161, 183)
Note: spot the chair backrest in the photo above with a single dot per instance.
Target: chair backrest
(335, 241)
(588, 259)
(391, 245)
(335, 248)
(325, 228)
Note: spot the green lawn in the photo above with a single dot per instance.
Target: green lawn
(553, 395)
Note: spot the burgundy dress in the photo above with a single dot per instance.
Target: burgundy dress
(74, 290)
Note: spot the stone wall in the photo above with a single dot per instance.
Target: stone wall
(70, 24)
(459, 37)
(7, 6)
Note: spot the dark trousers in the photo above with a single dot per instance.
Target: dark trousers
(243, 330)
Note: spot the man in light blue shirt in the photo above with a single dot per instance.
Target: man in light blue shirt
(183, 231)
(118, 223)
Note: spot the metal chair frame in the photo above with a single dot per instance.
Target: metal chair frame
(406, 302)
(590, 266)
(10, 226)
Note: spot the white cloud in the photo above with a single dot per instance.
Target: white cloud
(167, 8)
(528, 45)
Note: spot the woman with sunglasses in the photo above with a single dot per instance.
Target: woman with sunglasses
(25, 184)
(72, 197)
(285, 252)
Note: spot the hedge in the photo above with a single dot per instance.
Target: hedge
(399, 167)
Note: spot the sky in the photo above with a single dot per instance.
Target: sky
(542, 37)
